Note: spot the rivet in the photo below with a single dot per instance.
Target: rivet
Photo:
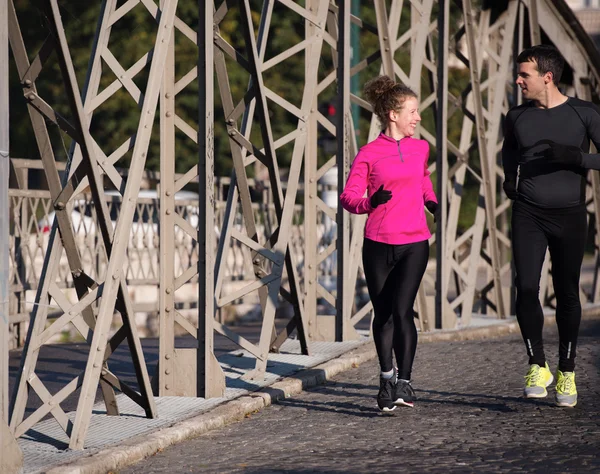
(167, 371)
(31, 96)
(168, 212)
(167, 356)
(167, 387)
(28, 82)
(169, 114)
(168, 290)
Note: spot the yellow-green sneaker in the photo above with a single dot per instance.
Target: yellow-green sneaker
(536, 381)
(566, 392)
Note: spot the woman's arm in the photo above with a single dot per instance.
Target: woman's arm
(428, 193)
(352, 198)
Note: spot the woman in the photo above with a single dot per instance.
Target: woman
(393, 170)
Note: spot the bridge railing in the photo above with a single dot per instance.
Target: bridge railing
(32, 215)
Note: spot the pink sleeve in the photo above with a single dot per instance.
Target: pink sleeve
(352, 197)
(428, 194)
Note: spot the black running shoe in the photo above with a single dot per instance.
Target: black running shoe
(385, 397)
(404, 394)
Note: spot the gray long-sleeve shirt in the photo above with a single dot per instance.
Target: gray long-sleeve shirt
(527, 133)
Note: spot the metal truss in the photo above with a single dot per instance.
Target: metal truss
(415, 43)
(87, 158)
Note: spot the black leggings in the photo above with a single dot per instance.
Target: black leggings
(563, 232)
(393, 274)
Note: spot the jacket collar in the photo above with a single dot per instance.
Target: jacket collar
(387, 138)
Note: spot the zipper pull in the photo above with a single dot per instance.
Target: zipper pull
(400, 151)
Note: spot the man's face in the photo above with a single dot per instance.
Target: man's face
(530, 81)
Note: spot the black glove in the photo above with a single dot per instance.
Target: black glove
(432, 207)
(566, 154)
(381, 196)
(510, 188)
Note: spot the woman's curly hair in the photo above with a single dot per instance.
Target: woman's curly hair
(385, 95)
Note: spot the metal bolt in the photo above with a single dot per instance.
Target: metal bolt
(31, 96)
(168, 212)
(167, 371)
(167, 387)
(168, 95)
(28, 82)
(168, 309)
(169, 193)
(115, 276)
(168, 290)
(96, 365)
(169, 114)
(167, 356)
(59, 206)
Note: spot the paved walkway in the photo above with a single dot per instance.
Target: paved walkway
(470, 417)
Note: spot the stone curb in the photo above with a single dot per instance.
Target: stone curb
(138, 448)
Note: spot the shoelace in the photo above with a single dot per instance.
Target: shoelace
(565, 384)
(533, 376)
(407, 387)
(388, 387)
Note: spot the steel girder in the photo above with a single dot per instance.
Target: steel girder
(86, 160)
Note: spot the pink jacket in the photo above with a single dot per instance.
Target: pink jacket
(401, 166)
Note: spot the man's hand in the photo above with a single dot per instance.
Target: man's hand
(381, 196)
(433, 207)
(565, 154)
(510, 188)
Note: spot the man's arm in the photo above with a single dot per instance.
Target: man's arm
(592, 160)
(510, 158)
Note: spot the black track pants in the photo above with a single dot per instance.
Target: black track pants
(563, 232)
(393, 274)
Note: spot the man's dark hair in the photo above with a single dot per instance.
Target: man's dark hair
(547, 59)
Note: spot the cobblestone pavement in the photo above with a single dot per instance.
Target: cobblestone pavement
(470, 417)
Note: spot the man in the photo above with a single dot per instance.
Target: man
(545, 158)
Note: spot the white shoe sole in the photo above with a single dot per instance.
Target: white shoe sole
(565, 404)
(401, 402)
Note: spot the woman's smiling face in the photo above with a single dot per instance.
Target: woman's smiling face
(406, 117)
